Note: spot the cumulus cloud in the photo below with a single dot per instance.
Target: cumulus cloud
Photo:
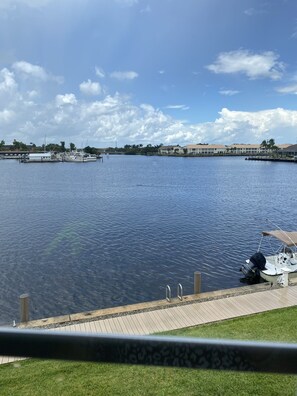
(28, 70)
(67, 99)
(253, 65)
(27, 115)
(124, 75)
(90, 88)
(7, 81)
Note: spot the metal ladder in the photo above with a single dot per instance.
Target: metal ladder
(179, 292)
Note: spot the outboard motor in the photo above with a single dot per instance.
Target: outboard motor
(252, 267)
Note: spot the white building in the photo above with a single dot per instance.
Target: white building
(170, 150)
(206, 149)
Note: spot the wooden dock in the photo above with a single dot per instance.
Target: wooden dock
(184, 315)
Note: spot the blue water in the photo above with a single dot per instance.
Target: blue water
(87, 236)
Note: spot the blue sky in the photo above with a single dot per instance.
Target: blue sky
(100, 72)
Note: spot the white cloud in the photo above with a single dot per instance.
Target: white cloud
(289, 89)
(90, 88)
(124, 75)
(254, 66)
(99, 72)
(28, 70)
(28, 115)
(7, 81)
(67, 99)
(177, 107)
(228, 92)
(6, 116)
(32, 94)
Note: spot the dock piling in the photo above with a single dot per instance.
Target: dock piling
(197, 282)
(24, 305)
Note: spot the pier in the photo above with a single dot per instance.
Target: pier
(274, 159)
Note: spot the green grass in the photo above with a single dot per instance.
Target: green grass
(38, 377)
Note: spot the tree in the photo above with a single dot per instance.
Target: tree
(63, 146)
(2, 143)
(72, 146)
(19, 145)
(264, 144)
(269, 145)
(90, 150)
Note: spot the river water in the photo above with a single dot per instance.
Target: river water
(87, 236)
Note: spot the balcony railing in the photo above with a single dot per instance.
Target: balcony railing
(151, 350)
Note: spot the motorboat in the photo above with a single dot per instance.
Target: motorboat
(279, 267)
(79, 156)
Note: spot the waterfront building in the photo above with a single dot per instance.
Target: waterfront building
(290, 150)
(246, 149)
(170, 150)
(205, 149)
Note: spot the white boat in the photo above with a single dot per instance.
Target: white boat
(278, 267)
(40, 157)
(79, 156)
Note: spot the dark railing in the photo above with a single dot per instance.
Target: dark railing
(151, 350)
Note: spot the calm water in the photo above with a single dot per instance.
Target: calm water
(79, 237)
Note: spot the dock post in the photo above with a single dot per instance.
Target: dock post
(24, 305)
(197, 282)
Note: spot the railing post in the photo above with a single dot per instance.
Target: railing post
(24, 305)
(197, 282)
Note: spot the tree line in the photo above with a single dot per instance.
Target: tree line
(60, 148)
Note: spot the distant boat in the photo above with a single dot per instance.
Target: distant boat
(79, 156)
(40, 157)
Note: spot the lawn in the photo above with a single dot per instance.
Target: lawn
(36, 377)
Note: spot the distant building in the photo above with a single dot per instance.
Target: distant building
(251, 148)
(211, 149)
(246, 149)
(170, 150)
(289, 149)
(206, 149)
